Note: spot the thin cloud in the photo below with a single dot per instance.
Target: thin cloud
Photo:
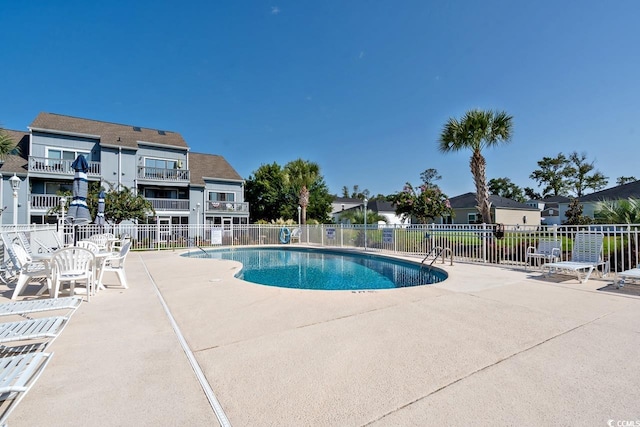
(275, 10)
(361, 54)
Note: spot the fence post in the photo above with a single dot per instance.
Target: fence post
(485, 242)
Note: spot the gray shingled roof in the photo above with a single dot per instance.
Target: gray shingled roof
(210, 165)
(109, 133)
(468, 200)
(619, 192)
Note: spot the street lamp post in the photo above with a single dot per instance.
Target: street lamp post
(365, 222)
(198, 219)
(299, 211)
(63, 204)
(15, 185)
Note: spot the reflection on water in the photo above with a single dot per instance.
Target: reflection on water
(307, 269)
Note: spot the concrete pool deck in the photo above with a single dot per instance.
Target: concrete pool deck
(489, 346)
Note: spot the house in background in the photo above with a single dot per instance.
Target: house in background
(550, 211)
(589, 202)
(154, 163)
(381, 207)
(503, 210)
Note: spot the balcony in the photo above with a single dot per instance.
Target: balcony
(158, 174)
(227, 207)
(59, 167)
(169, 204)
(44, 201)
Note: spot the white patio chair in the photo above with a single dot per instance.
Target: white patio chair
(101, 240)
(295, 235)
(115, 263)
(88, 244)
(73, 265)
(547, 250)
(18, 374)
(29, 271)
(586, 256)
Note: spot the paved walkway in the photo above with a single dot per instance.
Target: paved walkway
(489, 346)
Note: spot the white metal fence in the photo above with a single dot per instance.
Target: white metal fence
(466, 243)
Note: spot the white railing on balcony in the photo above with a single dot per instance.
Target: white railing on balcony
(44, 201)
(169, 204)
(58, 166)
(159, 174)
(226, 207)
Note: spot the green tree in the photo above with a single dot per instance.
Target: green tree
(275, 192)
(574, 214)
(356, 216)
(423, 203)
(476, 130)
(120, 205)
(503, 187)
(532, 194)
(266, 193)
(582, 175)
(356, 193)
(622, 180)
(301, 175)
(626, 211)
(552, 175)
(430, 176)
(7, 145)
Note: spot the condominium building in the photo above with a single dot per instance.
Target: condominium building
(183, 187)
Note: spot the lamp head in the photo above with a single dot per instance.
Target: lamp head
(15, 182)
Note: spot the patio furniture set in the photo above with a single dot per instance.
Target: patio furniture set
(30, 330)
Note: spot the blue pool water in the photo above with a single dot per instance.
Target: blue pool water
(323, 269)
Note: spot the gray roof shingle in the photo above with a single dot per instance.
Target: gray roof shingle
(468, 200)
(110, 133)
(211, 166)
(619, 192)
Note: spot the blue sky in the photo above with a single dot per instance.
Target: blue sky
(363, 88)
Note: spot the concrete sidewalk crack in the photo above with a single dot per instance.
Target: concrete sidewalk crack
(484, 368)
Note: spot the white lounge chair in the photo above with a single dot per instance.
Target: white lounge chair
(627, 276)
(17, 375)
(586, 256)
(31, 329)
(547, 250)
(23, 308)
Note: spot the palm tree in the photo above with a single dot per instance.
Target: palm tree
(7, 145)
(626, 211)
(356, 216)
(301, 175)
(476, 130)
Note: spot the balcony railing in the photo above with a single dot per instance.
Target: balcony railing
(44, 201)
(227, 207)
(159, 174)
(58, 166)
(169, 204)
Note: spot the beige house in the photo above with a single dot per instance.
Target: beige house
(503, 211)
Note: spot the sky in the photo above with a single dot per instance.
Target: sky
(363, 88)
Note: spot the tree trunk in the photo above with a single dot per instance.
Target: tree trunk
(304, 202)
(478, 170)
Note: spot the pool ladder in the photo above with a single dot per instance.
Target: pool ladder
(437, 251)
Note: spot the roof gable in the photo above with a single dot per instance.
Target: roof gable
(468, 201)
(203, 166)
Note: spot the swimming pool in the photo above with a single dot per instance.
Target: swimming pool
(303, 268)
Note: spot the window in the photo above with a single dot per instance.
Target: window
(160, 163)
(447, 219)
(472, 218)
(57, 187)
(215, 196)
(157, 193)
(56, 155)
